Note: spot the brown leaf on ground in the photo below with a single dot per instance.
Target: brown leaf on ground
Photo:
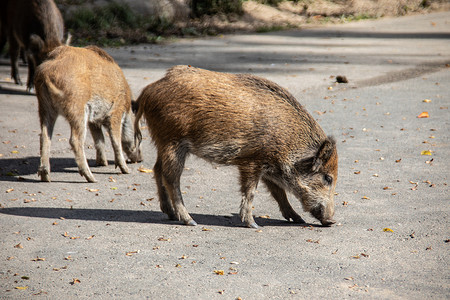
(38, 259)
(423, 115)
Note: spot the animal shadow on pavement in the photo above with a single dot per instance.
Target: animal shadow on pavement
(12, 91)
(12, 168)
(136, 216)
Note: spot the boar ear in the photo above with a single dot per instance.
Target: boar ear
(324, 153)
(134, 106)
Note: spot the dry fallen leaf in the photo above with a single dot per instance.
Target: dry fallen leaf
(423, 115)
(206, 229)
(313, 241)
(38, 259)
(219, 272)
(387, 229)
(425, 152)
(144, 170)
(21, 287)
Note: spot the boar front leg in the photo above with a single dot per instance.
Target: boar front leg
(99, 141)
(47, 125)
(77, 137)
(250, 176)
(285, 207)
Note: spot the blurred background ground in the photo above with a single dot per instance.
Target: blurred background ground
(120, 22)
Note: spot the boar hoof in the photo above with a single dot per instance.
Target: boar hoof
(44, 174)
(124, 169)
(253, 225)
(191, 223)
(298, 220)
(90, 178)
(101, 162)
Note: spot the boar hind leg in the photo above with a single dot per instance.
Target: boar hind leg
(31, 68)
(172, 167)
(249, 181)
(285, 207)
(77, 137)
(47, 125)
(114, 128)
(164, 201)
(14, 52)
(99, 140)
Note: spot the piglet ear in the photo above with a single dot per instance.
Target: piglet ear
(324, 153)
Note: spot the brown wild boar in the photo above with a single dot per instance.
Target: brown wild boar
(87, 87)
(240, 120)
(35, 26)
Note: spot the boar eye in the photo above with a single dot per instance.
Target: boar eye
(328, 179)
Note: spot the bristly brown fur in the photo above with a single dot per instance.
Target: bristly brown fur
(35, 26)
(87, 87)
(240, 120)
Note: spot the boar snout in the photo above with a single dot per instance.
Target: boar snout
(324, 213)
(136, 156)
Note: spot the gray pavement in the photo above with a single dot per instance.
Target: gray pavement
(72, 239)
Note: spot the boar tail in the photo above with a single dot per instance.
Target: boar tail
(45, 84)
(139, 110)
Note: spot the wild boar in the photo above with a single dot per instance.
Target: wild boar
(87, 87)
(35, 26)
(239, 120)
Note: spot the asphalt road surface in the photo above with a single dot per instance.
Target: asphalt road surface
(72, 239)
